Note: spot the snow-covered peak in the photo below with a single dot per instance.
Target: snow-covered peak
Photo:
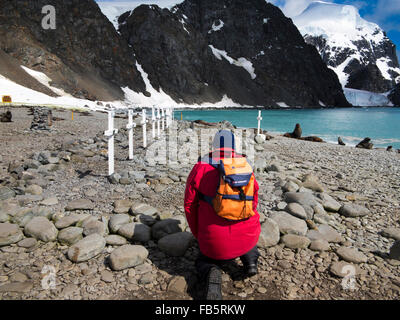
(324, 18)
(347, 42)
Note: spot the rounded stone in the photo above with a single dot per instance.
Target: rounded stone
(319, 245)
(41, 228)
(127, 256)
(296, 210)
(166, 227)
(87, 248)
(351, 255)
(289, 224)
(9, 234)
(70, 235)
(175, 245)
(118, 220)
(269, 235)
(295, 242)
(27, 243)
(353, 210)
(115, 240)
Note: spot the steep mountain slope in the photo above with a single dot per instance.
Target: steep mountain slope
(84, 55)
(358, 51)
(394, 95)
(228, 52)
(202, 50)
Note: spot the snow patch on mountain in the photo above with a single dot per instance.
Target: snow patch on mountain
(24, 96)
(241, 62)
(45, 80)
(156, 97)
(216, 27)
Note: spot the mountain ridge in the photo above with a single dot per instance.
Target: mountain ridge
(359, 51)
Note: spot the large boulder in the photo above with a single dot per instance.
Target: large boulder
(42, 229)
(127, 256)
(289, 224)
(117, 221)
(94, 226)
(325, 232)
(269, 235)
(176, 244)
(67, 221)
(305, 199)
(9, 234)
(296, 210)
(295, 242)
(393, 233)
(87, 248)
(136, 232)
(70, 235)
(166, 227)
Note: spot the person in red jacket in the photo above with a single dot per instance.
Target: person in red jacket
(219, 240)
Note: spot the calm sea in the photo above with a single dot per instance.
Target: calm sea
(382, 125)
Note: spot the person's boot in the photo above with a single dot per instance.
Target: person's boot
(251, 269)
(214, 281)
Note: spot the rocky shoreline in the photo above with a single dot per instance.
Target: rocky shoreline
(325, 209)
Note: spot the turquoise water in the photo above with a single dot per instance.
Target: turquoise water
(382, 125)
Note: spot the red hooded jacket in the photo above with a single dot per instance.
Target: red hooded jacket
(218, 238)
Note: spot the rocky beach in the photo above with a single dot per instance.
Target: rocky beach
(330, 215)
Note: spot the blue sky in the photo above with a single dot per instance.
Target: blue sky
(386, 13)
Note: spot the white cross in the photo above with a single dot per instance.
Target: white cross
(153, 122)
(110, 133)
(259, 118)
(130, 127)
(158, 123)
(144, 124)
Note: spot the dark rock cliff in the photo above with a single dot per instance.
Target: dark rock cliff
(84, 55)
(267, 60)
(394, 96)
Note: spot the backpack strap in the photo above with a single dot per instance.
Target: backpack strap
(206, 198)
(209, 160)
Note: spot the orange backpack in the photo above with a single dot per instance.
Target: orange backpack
(235, 194)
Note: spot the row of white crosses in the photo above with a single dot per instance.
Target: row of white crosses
(164, 116)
